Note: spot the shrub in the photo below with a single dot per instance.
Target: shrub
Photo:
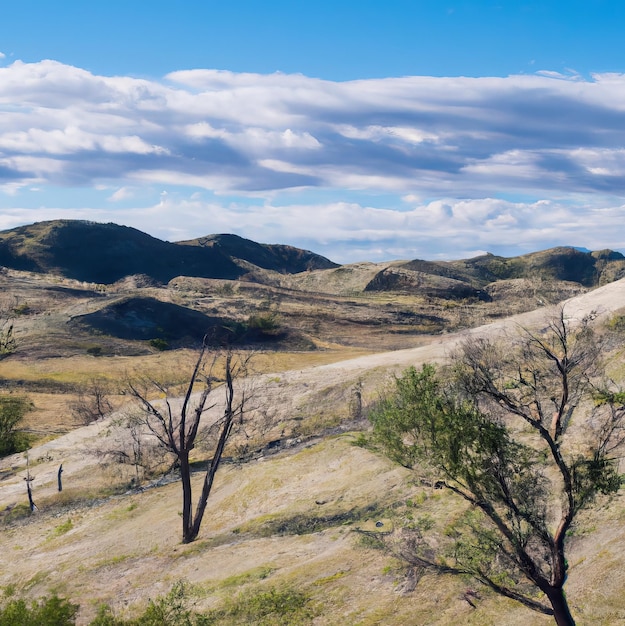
(168, 610)
(19, 511)
(266, 607)
(12, 411)
(92, 402)
(264, 323)
(8, 343)
(63, 528)
(617, 323)
(105, 617)
(261, 606)
(159, 344)
(49, 611)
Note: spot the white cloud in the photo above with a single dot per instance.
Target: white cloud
(382, 133)
(350, 231)
(447, 147)
(412, 134)
(123, 193)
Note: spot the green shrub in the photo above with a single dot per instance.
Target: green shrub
(225, 289)
(94, 350)
(49, 611)
(22, 441)
(63, 528)
(159, 344)
(265, 607)
(19, 511)
(264, 323)
(617, 323)
(12, 411)
(167, 610)
(106, 617)
(261, 607)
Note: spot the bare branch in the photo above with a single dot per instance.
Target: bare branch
(177, 429)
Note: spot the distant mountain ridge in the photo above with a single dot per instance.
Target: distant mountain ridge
(469, 277)
(277, 257)
(106, 253)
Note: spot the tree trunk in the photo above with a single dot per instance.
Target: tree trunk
(187, 521)
(210, 473)
(561, 612)
(31, 502)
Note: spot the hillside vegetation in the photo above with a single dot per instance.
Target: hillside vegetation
(290, 519)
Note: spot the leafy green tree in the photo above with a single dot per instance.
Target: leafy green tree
(12, 411)
(468, 431)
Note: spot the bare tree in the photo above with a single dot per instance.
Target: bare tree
(93, 401)
(29, 478)
(524, 486)
(127, 444)
(8, 343)
(177, 428)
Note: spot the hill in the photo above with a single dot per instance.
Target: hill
(470, 278)
(106, 253)
(141, 292)
(275, 257)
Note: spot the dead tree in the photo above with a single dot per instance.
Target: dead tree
(29, 479)
(93, 401)
(177, 429)
(8, 343)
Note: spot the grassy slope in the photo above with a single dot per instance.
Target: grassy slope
(126, 549)
(113, 550)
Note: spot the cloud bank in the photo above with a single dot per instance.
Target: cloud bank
(373, 169)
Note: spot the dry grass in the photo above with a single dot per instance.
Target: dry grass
(94, 543)
(110, 552)
(52, 413)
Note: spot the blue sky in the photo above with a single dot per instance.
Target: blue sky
(362, 131)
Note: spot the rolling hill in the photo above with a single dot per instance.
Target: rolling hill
(278, 258)
(106, 253)
(295, 490)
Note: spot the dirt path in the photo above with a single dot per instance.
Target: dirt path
(601, 302)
